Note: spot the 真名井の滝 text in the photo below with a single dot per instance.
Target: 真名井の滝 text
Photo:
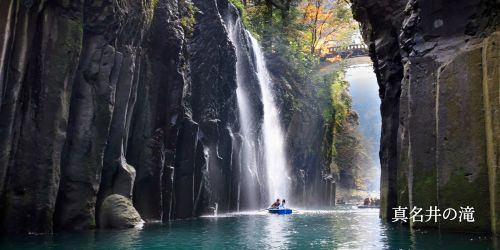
(433, 214)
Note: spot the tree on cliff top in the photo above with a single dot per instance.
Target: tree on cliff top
(327, 22)
(294, 33)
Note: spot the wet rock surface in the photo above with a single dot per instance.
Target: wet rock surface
(128, 98)
(106, 98)
(308, 138)
(433, 63)
(137, 100)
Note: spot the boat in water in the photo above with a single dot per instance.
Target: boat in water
(280, 210)
(369, 206)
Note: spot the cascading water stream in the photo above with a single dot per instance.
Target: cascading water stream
(248, 152)
(272, 150)
(278, 180)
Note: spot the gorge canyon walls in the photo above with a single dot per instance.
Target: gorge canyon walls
(111, 101)
(98, 98)
(138, 99)
(437, 64)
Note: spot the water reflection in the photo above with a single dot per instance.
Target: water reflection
(319, 229)
(366, 232)
(405, 238)
(277, 231)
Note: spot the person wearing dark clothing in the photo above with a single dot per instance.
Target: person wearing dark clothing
(276, 204)
(367, 202)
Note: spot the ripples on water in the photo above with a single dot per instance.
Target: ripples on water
(306, 229)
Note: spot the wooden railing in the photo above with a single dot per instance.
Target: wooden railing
(353, 50)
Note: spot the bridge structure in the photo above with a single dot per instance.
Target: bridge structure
(350, 51)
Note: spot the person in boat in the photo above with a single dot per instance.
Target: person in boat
(282, 206)
(341, 201)
(366, 202)
(276, 204)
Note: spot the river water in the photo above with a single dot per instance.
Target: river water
(320, 229)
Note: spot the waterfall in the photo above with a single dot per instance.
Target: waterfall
(278, 180)
(247, 156)
(269, 155)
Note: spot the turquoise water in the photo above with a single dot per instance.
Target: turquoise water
(338, 229)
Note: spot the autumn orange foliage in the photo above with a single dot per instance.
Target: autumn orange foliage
(328, 23)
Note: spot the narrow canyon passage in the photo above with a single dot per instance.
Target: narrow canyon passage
(363, 88)
(181, 122)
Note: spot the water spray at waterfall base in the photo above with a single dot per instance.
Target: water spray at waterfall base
(278, 179)
(270, 153)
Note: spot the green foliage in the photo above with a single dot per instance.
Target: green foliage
(286, 39)
(285, 34)
(150, 10)
(340, 106)
(331, 92)
(340, 98)
(154, 4)
(352, 163)
(187, 12)
(243, 13)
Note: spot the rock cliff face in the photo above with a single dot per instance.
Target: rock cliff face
(437, 67)
(308, 136)
(137, 99)
(99, 98)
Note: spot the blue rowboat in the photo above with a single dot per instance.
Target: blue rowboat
(368, 206)
(279, 211)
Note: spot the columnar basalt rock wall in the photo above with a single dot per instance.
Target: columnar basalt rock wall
(41, 46)
(129, 98)
(381, 23)
(437, 67)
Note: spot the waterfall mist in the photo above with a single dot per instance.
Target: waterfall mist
(247, 154)
(274, 141)
(261, 152)
(366, 102)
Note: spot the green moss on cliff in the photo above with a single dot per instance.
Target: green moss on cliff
(457, 192)
(243, 13)
(335, 103)
(346, 148)
(150, 10)
(187, 12)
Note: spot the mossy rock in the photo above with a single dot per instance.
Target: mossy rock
(117, 211)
